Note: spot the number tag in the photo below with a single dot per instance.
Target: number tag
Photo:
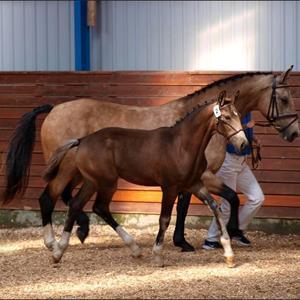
(217, 111)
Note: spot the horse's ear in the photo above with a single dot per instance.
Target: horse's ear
(283, 77)
(236, 96)
(222, 97)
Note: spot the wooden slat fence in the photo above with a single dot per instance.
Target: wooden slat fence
(20, 92)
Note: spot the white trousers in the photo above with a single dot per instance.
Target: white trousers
(236, 174)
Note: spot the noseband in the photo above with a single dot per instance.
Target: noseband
(273, 112)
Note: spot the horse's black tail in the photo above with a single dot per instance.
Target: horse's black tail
(57, 157)
(18, 159)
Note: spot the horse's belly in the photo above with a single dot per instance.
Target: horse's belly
(139, 180)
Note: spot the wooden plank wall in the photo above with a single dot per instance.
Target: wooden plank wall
(20, 92)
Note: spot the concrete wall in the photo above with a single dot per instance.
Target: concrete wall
(21, 218)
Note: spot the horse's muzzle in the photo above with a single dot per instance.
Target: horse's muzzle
(243, 146)
(293, 136)
(289, 135)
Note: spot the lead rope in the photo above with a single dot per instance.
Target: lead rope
(255, 155)
(254, 148)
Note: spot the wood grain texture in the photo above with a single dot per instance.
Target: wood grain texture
(20, 92)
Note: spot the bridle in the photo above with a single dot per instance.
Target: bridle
(221, 119)
(273, 114)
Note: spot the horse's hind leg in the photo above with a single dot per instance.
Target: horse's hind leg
(47, 204)
(169, 197)
(82, 219)
(75, 206)
(101, 208)
(202, 193)
(183, 204)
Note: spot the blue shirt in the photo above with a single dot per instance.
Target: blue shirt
(249, 134)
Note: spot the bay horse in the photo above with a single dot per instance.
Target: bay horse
(264, 92)
(169, 157)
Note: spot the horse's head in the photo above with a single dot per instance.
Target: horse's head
(228, 121)
(279, 108)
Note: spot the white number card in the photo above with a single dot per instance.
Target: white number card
(217, 111)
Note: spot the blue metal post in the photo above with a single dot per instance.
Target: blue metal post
(82, 36)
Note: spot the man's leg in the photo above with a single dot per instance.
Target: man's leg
(248, 185)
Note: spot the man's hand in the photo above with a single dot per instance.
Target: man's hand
(250, 124)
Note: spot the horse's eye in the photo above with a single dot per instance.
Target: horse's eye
(284, 100)
(227, 117)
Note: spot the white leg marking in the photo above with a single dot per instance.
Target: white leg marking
(228, 253)
(60, 247)
(225, 241)
(49, 238)
(157, 249)
(227, 246)
(129, 241)
(157, 255)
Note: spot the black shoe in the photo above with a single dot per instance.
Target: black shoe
(211, 245)
(241, 240)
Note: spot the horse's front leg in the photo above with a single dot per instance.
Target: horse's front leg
(201, 192)
(215, 186)
(168, 199)
(213, 183)
(214, 162)
(75, 207)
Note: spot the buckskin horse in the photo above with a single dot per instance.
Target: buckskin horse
(169, 157)
(264, 92)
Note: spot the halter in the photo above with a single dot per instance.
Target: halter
(220, 119)
(273, 112)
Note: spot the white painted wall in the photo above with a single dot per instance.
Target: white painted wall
(154, 35)
(36, 35)
(196, 35)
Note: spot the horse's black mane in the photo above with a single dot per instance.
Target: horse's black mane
(214, 84)
(195, 109)
(226, 80)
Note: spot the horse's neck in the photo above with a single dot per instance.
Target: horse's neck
(252, 92)
(196, 129)
(192, 137)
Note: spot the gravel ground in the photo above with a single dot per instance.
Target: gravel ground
(103, 268)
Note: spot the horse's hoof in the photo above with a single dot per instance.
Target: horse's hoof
(230, 261)
(185, 246)
(57, 253)
(158, 261)
(49, 244)
(82, 233)
(56, 260)
(136, 251)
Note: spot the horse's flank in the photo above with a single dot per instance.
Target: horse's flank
(81, 117)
